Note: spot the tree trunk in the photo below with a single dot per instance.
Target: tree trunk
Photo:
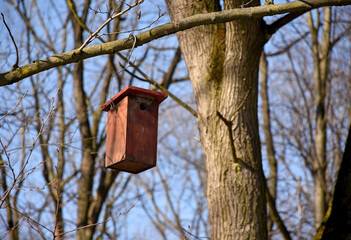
(9, 204)
(223, 61)
(272, 161)
(85, 184)
(320, 54)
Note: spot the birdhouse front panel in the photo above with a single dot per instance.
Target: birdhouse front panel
(131, 141)
(142, 131)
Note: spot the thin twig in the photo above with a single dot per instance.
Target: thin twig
(162, 88)
(22, 171)
(12, 228)
(98, 223)
(13, 109)
(106, 22)
(187, 231)
(156, 84)
(13, 40)
(29, 219)
(160, 14)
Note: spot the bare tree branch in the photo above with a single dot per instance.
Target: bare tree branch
(92, 36)
(22, 171)
(13, 40)
(20, 73)
(287, 47)
(163, 89)
(108, 219)
(14, 108)
(275, 26)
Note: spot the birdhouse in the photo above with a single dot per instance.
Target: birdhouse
(131, 141)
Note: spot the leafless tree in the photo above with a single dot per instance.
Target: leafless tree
(306, 125)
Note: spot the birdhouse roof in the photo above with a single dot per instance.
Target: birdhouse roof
(131, 90)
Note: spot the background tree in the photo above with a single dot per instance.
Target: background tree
(296, 114)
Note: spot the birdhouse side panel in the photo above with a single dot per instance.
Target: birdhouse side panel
(116, 134)
(142, 130)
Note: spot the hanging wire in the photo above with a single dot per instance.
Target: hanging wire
(130, 53)
(112, 104)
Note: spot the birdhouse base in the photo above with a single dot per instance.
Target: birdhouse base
(128, 165)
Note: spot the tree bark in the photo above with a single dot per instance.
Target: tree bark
(223, 62)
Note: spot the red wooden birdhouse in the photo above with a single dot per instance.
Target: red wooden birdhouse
(131, 141)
